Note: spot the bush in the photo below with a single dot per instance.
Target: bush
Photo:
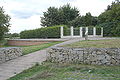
(11, 36)
(45, 32)
(111, 28)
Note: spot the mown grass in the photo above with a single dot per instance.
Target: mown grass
(30, 49)
(110, 43)
(55, 71)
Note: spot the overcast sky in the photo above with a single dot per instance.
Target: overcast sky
(25, 14)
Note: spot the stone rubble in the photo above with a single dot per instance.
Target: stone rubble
(97, 56)
(9, 53)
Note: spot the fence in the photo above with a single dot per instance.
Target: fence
(80, 32)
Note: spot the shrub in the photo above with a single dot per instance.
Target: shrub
(111, 28)
(45, 32)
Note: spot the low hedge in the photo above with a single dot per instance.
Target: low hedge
(111, 29)
(45, 32)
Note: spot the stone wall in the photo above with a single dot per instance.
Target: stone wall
(9, 53)
(97, 56)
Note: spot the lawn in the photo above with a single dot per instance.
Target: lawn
(30, 49)
(55, 71)
(33, 48)
(110, 43)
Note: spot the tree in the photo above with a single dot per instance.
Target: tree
(76, 22)
(94, 21)
(50, 17)
(87, 20)
(110, 19)
(4, 23)
(59, 16)
(68, 13)
(15, 35)
(111, 14)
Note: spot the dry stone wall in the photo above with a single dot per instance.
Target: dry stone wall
(97, 56)
(9, 53)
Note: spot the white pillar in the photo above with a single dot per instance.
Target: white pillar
(101, 31)
(81, 33)
(71, 31)
(94, 31)
(86, 31)
(61, 31)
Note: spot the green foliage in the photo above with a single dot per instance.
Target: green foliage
(3, 42)
(66, 15)
(4, 23)
(59, 16)
(15, 35)
(110, 19)
(111, 28)
(46, 32)
(50, 17)
(7, 35)
(11, 35)
(87, 20)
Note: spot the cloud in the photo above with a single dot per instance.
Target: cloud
(25, 14)
(28, 8)
(19, 25)
(93, 6)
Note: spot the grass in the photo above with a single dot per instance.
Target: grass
(33, 48)
(30, 49)
(3, 42)
(110, 43)
(57, 71)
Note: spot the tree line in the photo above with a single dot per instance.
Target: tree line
(70, 16)
(67, 15)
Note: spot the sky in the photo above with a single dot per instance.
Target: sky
(25, 14)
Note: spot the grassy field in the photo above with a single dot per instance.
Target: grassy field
(111, 43)
(30, 49)
(54, 71)
(57, 71)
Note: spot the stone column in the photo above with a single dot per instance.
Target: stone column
(61, 31)
(94, 31)
(101, 31)
(81, 33)
(71, 31)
